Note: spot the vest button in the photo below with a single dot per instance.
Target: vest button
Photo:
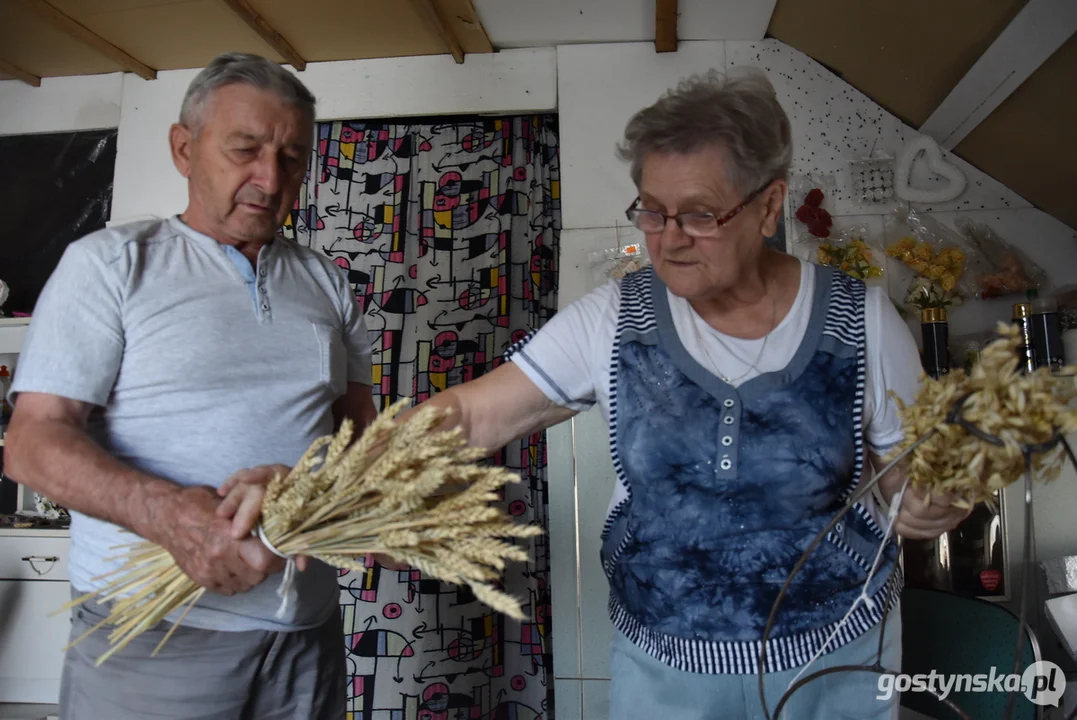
(727, 441)
(728, 419)
(729, 402)
(726, 464)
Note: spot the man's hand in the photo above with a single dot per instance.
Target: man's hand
(243, 493)
(203, 546)
(242, 504)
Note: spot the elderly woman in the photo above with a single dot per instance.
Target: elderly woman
(747, 395)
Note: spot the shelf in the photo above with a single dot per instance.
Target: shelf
(35, 532)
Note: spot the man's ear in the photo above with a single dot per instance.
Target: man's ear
(774, 204)
(181, 140)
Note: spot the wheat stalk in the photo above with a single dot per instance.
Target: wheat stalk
(1020, 410)
(408, 490)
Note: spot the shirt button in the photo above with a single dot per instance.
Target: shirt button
(265, 306)
(728, 402)
(728, 419)
(727, 441)
(262, 288)
(726, 464)
(262, 272)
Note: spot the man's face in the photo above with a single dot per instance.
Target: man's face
(243, 164)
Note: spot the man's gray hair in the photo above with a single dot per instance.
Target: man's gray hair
(738, 113)
(253, 70)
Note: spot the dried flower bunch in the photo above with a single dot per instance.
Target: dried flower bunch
(938, 273)
(854, 258)
(1020, 410)
(403, 489)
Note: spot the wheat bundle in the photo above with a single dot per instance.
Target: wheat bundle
(403, 489)
(978, 429)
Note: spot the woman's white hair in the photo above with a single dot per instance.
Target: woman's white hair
(247, 69)
(738, 113)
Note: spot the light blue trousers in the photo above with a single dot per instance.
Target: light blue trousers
(643, 688)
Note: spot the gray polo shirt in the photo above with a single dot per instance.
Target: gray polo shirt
(200, 365)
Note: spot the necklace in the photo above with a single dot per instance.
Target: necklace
(696, 319)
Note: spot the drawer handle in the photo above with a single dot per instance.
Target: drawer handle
(32, 559)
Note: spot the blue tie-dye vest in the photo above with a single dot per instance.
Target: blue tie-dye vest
(727, 486)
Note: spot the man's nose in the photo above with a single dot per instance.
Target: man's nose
(268, 173)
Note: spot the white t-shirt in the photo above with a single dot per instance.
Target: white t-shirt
(569, 360)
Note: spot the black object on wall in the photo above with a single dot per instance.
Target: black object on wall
(56, 189)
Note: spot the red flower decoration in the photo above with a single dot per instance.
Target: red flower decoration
(814, 216)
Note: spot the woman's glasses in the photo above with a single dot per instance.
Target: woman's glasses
(694, 224)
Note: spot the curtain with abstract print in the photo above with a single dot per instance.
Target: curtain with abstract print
(449, 234)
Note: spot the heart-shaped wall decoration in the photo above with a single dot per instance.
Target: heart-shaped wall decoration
(935, 163)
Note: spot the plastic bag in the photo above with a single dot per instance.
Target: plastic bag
(872, 180)
(616, 262)
(852, 251)
(999, 269)
(933, 253)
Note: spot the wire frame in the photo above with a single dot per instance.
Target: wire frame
(956, 418)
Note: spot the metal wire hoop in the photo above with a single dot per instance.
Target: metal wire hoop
(954, 417)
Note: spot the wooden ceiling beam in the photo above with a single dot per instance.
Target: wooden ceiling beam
(665, 25)
(80, 32)
(429, 8)
(1038, 30)
(19, 74)
(267, 32)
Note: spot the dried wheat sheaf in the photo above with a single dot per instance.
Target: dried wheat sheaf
(405, 489)
(1020, 411)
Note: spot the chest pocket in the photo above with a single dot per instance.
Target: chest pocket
(332, 358)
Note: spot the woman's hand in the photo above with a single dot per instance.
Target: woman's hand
(924, 517)
(242, 503)
(921, 517)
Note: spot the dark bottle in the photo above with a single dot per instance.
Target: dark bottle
(1022, 318)
(936, 335)
(1046, 335)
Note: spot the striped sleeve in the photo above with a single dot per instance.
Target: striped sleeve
(568, 357)
(893, 365)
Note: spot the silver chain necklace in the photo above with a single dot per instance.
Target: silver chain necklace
(696, 319)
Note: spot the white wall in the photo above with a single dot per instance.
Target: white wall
(595, 89)
(510, 81)
(90, 102)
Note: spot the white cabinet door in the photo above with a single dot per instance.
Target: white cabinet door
(31, 642)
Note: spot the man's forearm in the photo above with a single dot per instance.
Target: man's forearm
(61, 462)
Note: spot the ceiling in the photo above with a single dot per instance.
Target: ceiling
(906, 56)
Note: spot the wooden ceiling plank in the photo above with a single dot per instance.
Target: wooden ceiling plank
(473, 18)
(1039, 29)
(429, 8)
(19, 74)
(665, 26)
(267, 32)
(62, 22)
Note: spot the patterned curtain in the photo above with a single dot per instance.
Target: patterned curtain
(449, 234)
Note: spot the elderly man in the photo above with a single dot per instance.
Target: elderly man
(166, 356)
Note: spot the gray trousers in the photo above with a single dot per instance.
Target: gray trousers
(204, 675)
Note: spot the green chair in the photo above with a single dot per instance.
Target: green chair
(957, 635)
